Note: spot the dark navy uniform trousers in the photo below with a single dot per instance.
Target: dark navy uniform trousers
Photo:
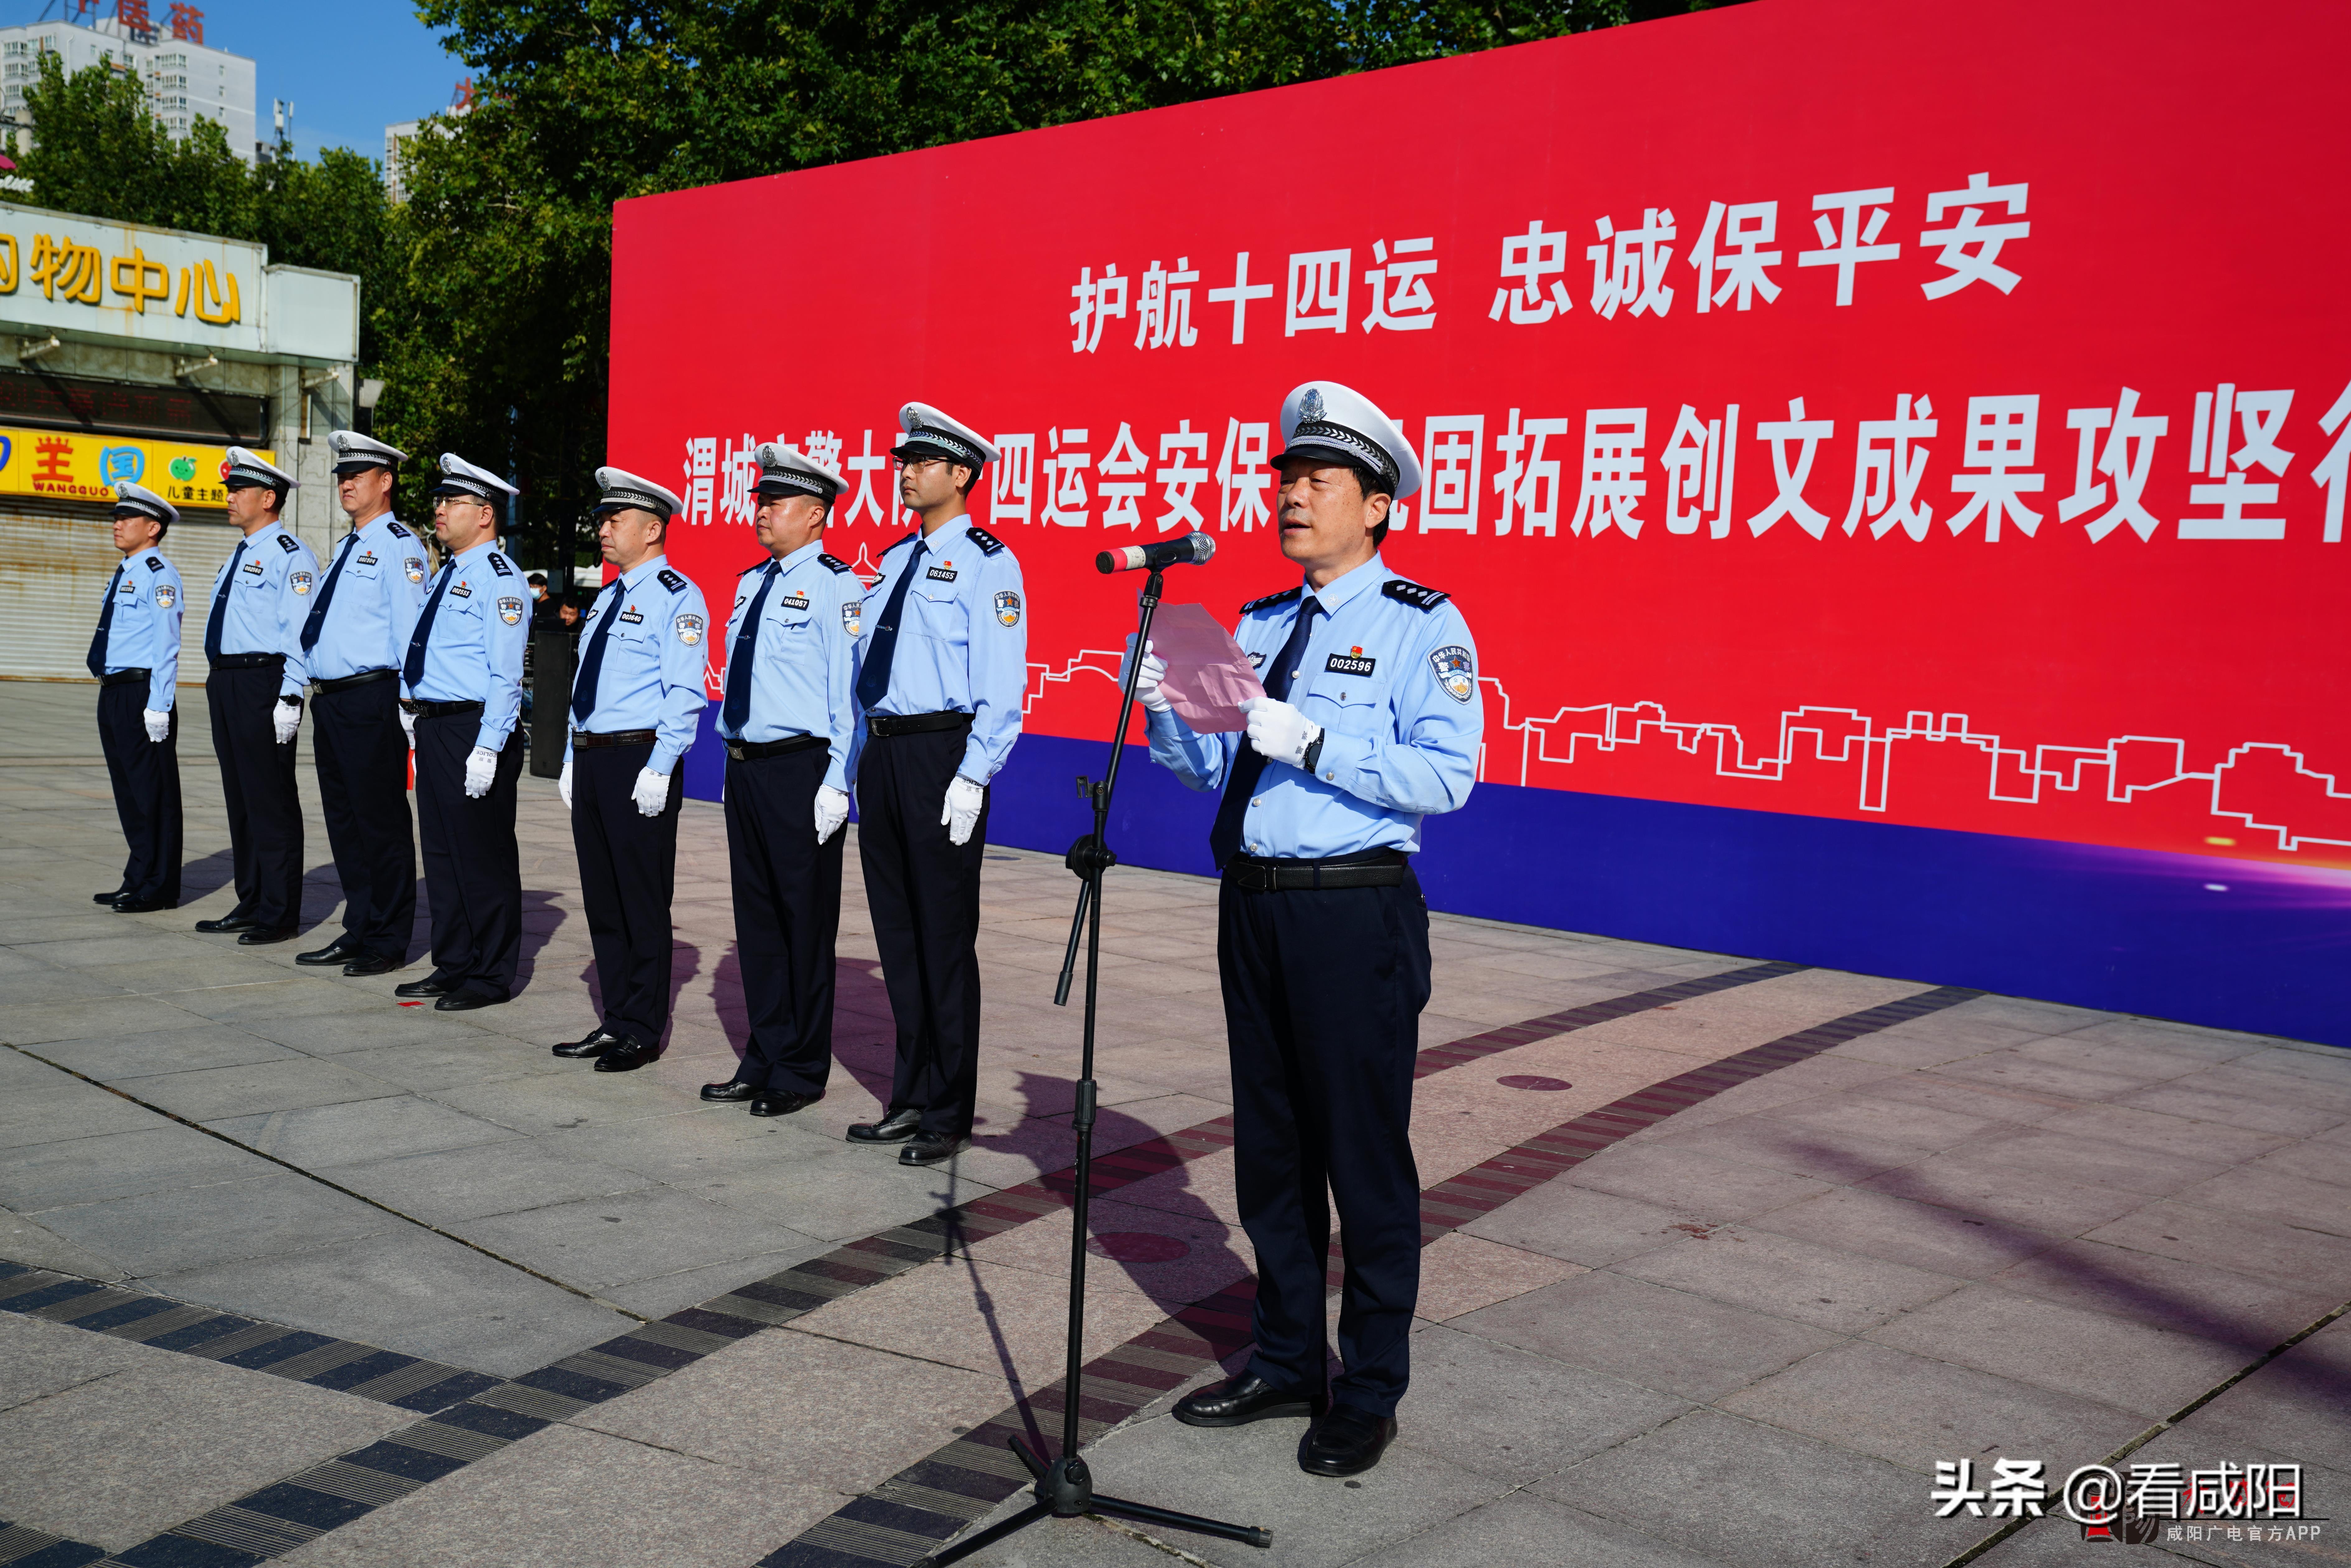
(473, 868)
(265, 806)
(924, 895)
(1323, 992)
(146, 779)
(362, 759)
(787, 916)
(628, 872)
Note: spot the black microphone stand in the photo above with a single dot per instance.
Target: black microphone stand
(1065, 1487)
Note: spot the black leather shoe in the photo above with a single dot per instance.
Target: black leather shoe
(928, 1149)
(371, 963)
(596, 1043)
(466, 1001)
(228, 923)
(430, 985)
(1348, 1442)
(780, 1102)
(263, 936)
(1237, 1400)
(627, 1056)
(897, 1125)
(730, 1092)
(341, 950)
(106, 897)
(141, 905)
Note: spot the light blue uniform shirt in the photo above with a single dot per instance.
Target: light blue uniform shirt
(473, 651)
(145, 631)
(270, 600)
(1391, 675)
(377, 598)
(804, 663)
(963, 638)
(652, 670)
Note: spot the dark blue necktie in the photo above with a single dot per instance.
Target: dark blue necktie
(220, 604)
(873, 681)
(1225, 838)
(105, 624)
(583, 688)
(326, 591)
(412, 669)
(739, 660)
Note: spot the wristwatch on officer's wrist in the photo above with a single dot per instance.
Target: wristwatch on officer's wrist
(1313, 752)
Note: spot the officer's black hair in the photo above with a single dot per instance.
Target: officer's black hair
(281, 490)
(964, 490)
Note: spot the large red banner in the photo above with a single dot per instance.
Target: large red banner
(1892, 413)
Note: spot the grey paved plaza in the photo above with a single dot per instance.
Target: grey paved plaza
(1726, 1255)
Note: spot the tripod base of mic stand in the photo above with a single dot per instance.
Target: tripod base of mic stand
(1065, 1489)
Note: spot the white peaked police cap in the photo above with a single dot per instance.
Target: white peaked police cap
(241, 469)
(139, 498)
(1323, 419)
(618, 488)
(786, 470)
(930, 433)
(459, 477)
(355, 453)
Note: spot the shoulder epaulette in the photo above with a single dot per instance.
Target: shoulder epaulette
(989, 543)
(1412, 593)
(831, 563)
(400, 533)
(288, 543)
(1284, 597)
(154, 563)
(672, 581)
(903, 540)
(500, 564)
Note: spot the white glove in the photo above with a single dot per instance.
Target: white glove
(961, 813)
(651, 793)
(286, 718)
(408, 727)
(831, 810)
(563, 783)
(1146, 685)
(481, 767)
(1279, 732)
(159, 723)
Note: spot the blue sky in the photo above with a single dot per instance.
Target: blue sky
(351, 67)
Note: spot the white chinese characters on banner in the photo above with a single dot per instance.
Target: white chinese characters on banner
(1851, 240)
(1121, 481)
(1529, 258)
(1179, 480)
(1971, 247)
(1701, 469)
(2333, 472)
(1240, 294)
(1889, 459)
(2259, 415)
(1244, 483)
(2001, 435)
(822, 445)
(1401, 300)
(1099, 300)
(1064, 476)
(1628, 266)
(860, 471)
(1528, 481)
(1452, 458)
(738, 481)
(1727, 246)
(1163, 315)
(701, 477)
(1613, 485)
(1317, 295)
(1012, 492)
(2129, 450)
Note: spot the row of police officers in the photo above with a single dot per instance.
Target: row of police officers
(909, 694)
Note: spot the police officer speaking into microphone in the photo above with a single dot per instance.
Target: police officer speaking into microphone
(790, 729)
(463, 673)
(1370, 721)
(353, 640)
(943, 671)
(635, 706)
(253, 629)
(135, 654)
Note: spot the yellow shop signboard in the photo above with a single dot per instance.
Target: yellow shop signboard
(67, 466)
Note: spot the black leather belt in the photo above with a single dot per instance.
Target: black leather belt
(249, 661)
(441, 710)
(344, 683)
(1376, 868)
(883, 726)
(124, 678)
(752, 750)
(581, 737)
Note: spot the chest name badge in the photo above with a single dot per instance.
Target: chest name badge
(796, 601)
(511, 610)
(1351, 662)
(130, 588)
(460, 591)
(689, 629)
(299, 581)
(252, 568)
(1008, 607)
(943, 573)
(365, 557)
(1455, 671)
(632, 615)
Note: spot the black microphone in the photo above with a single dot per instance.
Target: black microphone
(1188, 550)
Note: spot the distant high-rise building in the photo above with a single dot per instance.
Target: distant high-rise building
(395, 184)
(186, 80)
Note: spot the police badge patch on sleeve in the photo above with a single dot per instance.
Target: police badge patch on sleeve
(1455, 671)
(299, 581)
(511, 610)
(689, 629)
(164, 596)
(1008, 607)
(852, 617)
(412, 568)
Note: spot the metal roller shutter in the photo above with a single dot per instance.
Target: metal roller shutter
(53, 566)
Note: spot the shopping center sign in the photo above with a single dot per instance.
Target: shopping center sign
(65, 466)
(61, 272)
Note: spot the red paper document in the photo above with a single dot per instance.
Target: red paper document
(1209, 676)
